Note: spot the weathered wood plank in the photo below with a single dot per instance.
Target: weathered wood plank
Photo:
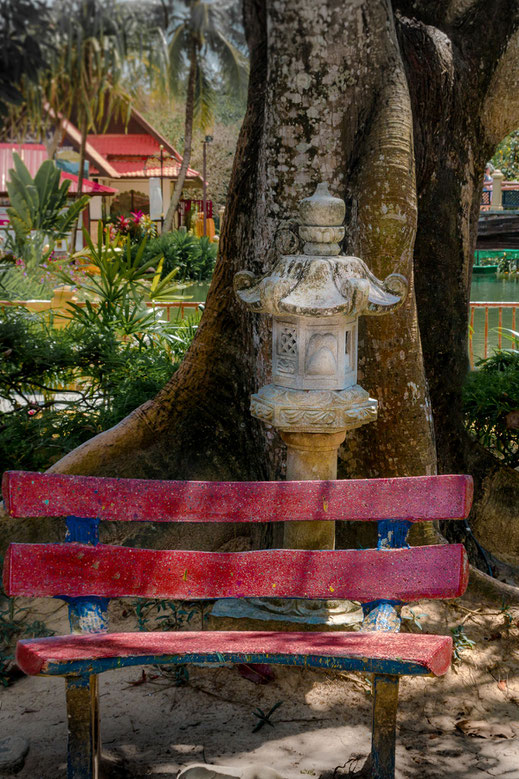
(394, 653)
(115, 571)
(413, 499)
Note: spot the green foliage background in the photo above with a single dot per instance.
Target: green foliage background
(506, 157)
(490, 395)
(58, 388)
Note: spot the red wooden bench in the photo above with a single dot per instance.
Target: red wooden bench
(87, 574)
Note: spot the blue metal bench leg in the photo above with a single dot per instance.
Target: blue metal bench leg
(83, 727)
(385, 702)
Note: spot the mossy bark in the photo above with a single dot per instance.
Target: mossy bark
(398, 106)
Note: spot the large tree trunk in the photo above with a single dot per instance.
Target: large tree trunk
(335, 94)
(321, 107)
(462, 68)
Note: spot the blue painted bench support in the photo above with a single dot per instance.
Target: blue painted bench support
(86, 574)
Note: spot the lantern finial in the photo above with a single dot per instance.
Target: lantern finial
(321, 217)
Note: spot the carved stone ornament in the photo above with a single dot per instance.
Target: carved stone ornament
(316, 412)
(320, 282)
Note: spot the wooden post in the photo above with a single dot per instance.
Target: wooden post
(385, 702)
(83, 727)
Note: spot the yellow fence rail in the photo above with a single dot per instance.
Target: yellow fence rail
(487, 320)
(174, 309)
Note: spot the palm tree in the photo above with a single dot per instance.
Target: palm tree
(90, 65)
(85, 81)
(24, 30)
(83, 76)
(196, 43)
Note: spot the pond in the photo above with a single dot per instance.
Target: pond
(493, 290)
(196, 292)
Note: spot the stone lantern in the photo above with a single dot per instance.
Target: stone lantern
(315, 300)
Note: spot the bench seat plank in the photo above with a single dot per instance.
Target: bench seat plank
(365, 575)
(413, 498)
(388, 653)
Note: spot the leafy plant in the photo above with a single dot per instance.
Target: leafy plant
(118, 287)
(60, 387)
(508, 617)
(193, 257)
(507, 264)
(41, 203)
(461, 642)
(24, 29)
(491, 404)
(506, 157)
(415, 618)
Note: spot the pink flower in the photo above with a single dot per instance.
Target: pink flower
(137, 216)
(32, 412)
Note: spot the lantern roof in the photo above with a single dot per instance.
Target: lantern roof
(320, 282)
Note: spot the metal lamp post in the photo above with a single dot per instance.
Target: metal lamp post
(162, 187)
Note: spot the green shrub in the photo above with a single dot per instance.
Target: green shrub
(58, 388)
(491, 405)
(194, 257)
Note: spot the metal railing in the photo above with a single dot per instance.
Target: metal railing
(489, 332)
(59, 304)
(179, 305)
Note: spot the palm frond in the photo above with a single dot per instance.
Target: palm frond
(204, 99)
(177, 58)
(234, 66)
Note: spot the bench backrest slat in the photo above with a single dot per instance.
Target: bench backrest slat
(112, 571)
(414, 499)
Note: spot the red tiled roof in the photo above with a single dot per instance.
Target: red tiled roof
(168, 171)
(136, 169)
(89, 187)
(122, 144)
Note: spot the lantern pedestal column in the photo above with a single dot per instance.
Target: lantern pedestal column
(311, 456)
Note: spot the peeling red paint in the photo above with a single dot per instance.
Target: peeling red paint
(116, 571)
(414, 498)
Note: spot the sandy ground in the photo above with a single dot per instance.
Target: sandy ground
(464, 725)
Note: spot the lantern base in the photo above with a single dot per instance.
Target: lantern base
(313, 411)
